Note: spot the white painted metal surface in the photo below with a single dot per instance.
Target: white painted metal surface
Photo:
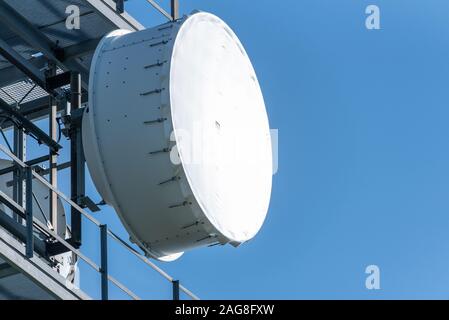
(176, 135)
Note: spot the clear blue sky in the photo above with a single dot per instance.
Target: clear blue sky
(363, 119)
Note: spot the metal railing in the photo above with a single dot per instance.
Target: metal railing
(32, 223)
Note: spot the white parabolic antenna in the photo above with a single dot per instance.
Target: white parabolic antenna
(176, 135)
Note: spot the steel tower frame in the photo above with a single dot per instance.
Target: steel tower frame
(61, 73)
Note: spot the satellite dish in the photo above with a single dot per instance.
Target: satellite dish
(176, 136)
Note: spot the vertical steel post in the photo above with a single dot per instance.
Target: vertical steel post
(29, 213)
(104, 262)
(175, 289)
(18, 182)
(76, 156)
(53, 125)
(174, 5)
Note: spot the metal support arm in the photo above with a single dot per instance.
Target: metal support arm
(76, 155)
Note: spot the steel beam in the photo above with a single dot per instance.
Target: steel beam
(74, 65)
(175, 284)
(27, 31)
(12, 74)
(21, 232)
(66, 57)
(32, 110)
(37, 109)
(108, 10)
(7, 271)
(21, 63)
(59, 167)
(29, 126)
(28, 163)
(18, 182)
(104, 262)
(160, 9)
(53, 157)
(81, 49)
(77, 174)
(41, 171)
(33, 36)
(12, 251)
(29, 213)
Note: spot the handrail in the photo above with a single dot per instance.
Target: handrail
(112, 235)
(188, 292)
(123, 288)
(134, 251)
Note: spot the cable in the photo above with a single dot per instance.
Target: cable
(58, 120)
